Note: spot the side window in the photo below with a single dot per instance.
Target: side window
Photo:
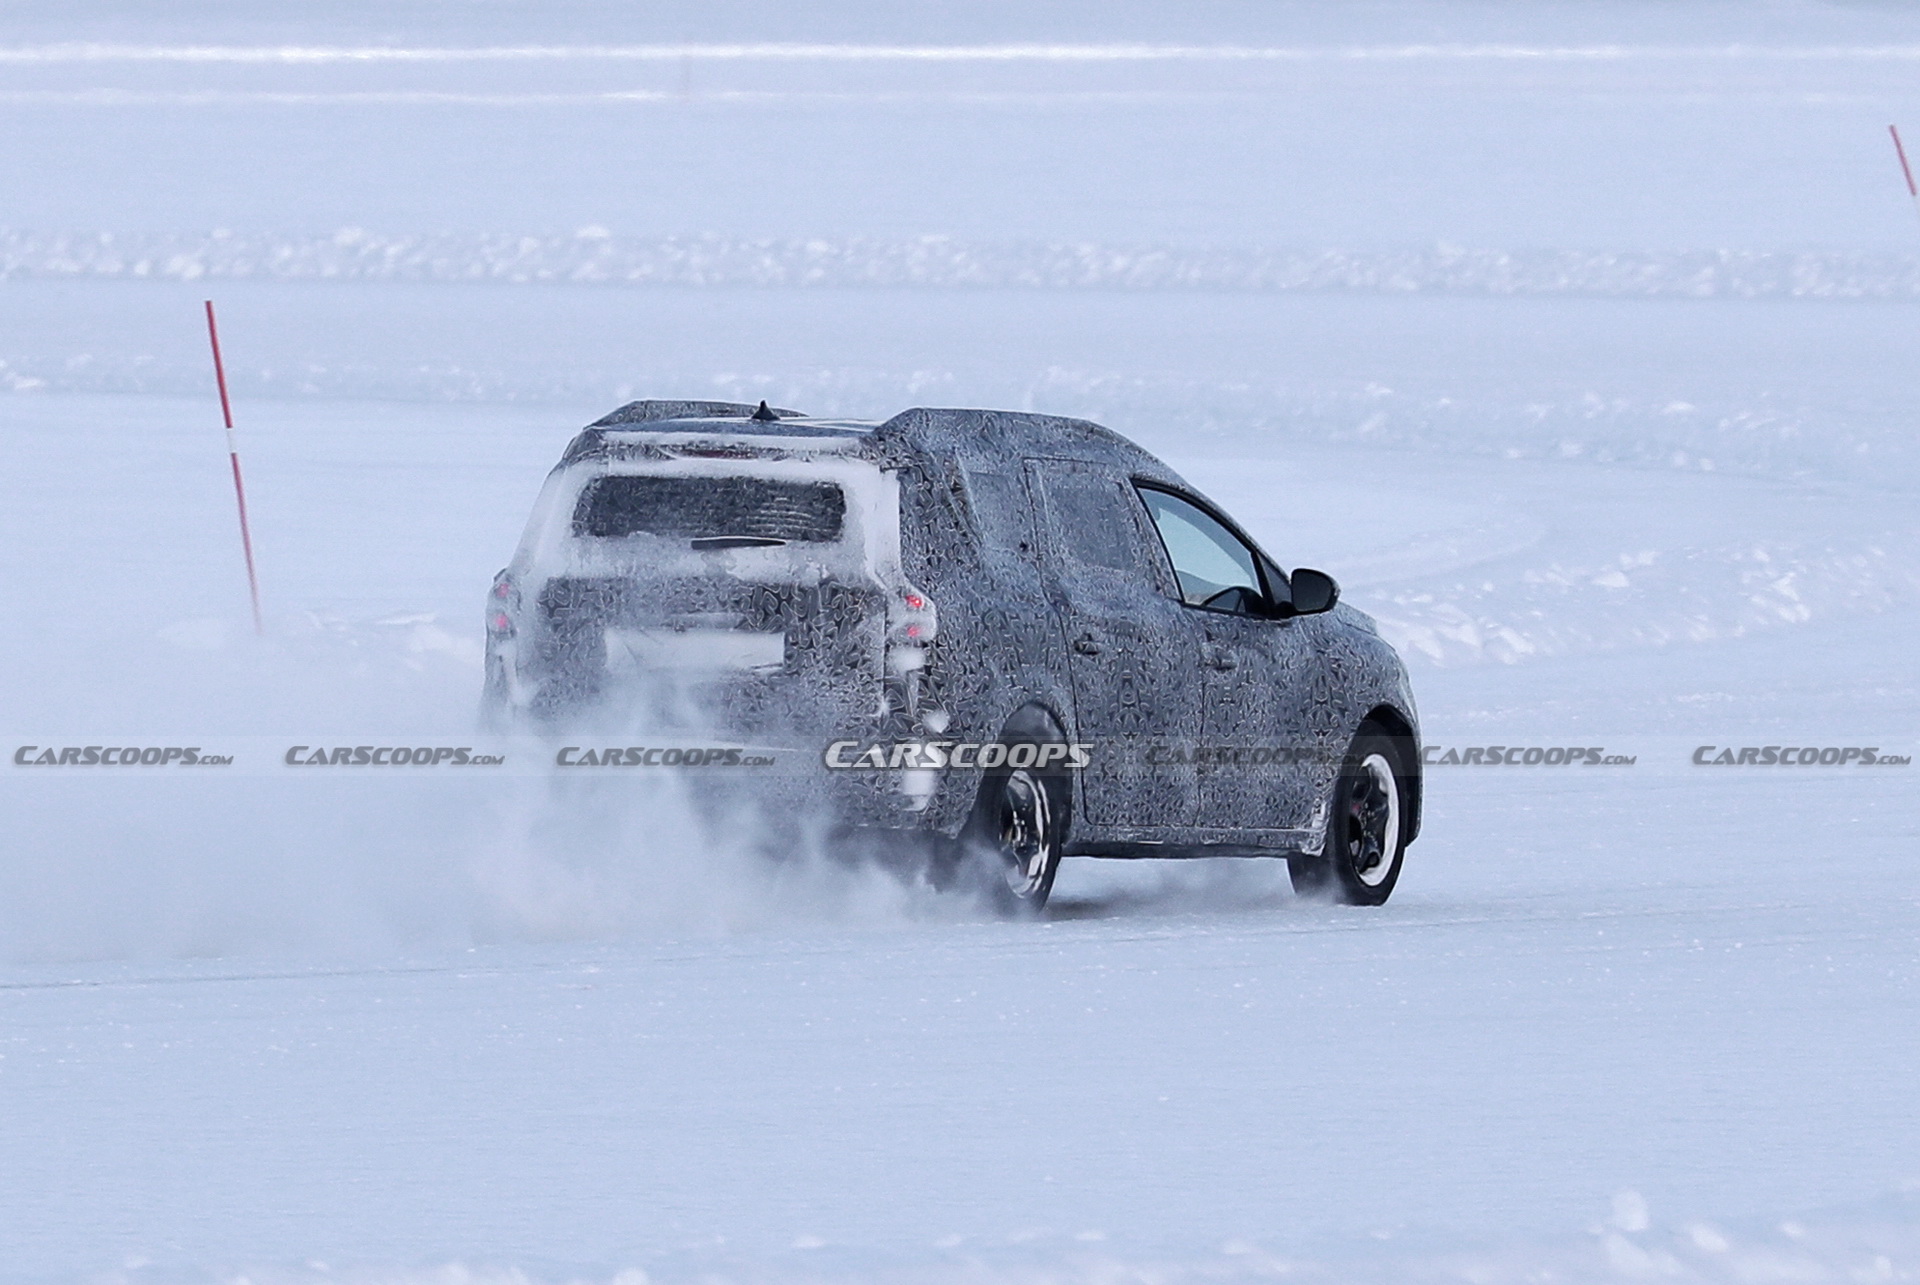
(933, 538)
(1210, 562)
(999, 503)
(1091, 523)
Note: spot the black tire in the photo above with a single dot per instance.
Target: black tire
(1368, 818)
(1013, 841)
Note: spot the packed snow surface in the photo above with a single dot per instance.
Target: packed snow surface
(1576, 340)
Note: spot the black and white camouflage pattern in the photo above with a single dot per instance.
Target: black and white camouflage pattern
(994, 528)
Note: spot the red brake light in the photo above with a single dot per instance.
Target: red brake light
(912, 620)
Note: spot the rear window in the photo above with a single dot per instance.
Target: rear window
(711, 508)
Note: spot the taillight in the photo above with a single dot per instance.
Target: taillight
(911, 626)
(912, 619)
(501, 603)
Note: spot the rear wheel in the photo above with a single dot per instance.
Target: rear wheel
(1366, 826)
(1027, 838)
(1019, 824)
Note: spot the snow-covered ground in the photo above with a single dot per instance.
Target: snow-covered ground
(1575, 340)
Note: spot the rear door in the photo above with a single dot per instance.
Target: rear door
(1132, 650)
(1261, 674)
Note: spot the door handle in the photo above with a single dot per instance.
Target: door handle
(1221, 658)
(1087, 645)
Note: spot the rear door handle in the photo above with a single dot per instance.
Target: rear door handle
(1087, 645)
(1221, 658)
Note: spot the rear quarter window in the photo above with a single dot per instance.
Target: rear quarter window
(999, 503)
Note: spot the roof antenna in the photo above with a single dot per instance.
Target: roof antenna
(766, 413)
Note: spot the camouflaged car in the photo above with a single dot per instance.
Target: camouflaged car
(1020, 635)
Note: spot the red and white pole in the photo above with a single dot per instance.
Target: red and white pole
(1900, 150)
(233, 454)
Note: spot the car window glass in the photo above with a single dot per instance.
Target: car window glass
(621, 505)
(1207, 558)
(934, 531)
(1091, 523)
(1000, 507)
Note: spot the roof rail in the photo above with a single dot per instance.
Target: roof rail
(644, 412)
(940, 428)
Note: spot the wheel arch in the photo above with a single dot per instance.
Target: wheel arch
(1400, 727)
(1032, 716)
(1036, 718)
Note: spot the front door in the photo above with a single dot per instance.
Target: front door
(1132, 651)
(1255, 763)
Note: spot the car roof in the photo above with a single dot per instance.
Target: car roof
(643, 428)
(649, 429)
(723, 417)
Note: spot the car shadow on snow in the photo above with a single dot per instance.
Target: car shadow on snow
(1094, 888)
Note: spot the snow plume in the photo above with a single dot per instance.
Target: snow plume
(266, 860)
(605, 857)
(358, 866)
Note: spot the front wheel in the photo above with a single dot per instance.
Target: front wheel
(1359, 863)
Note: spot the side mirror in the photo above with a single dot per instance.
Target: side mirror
(1239, 600)
(1313, 592)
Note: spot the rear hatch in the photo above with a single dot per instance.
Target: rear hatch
(755, 590)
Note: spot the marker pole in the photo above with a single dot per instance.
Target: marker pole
(233, 454)
(1900, 150)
